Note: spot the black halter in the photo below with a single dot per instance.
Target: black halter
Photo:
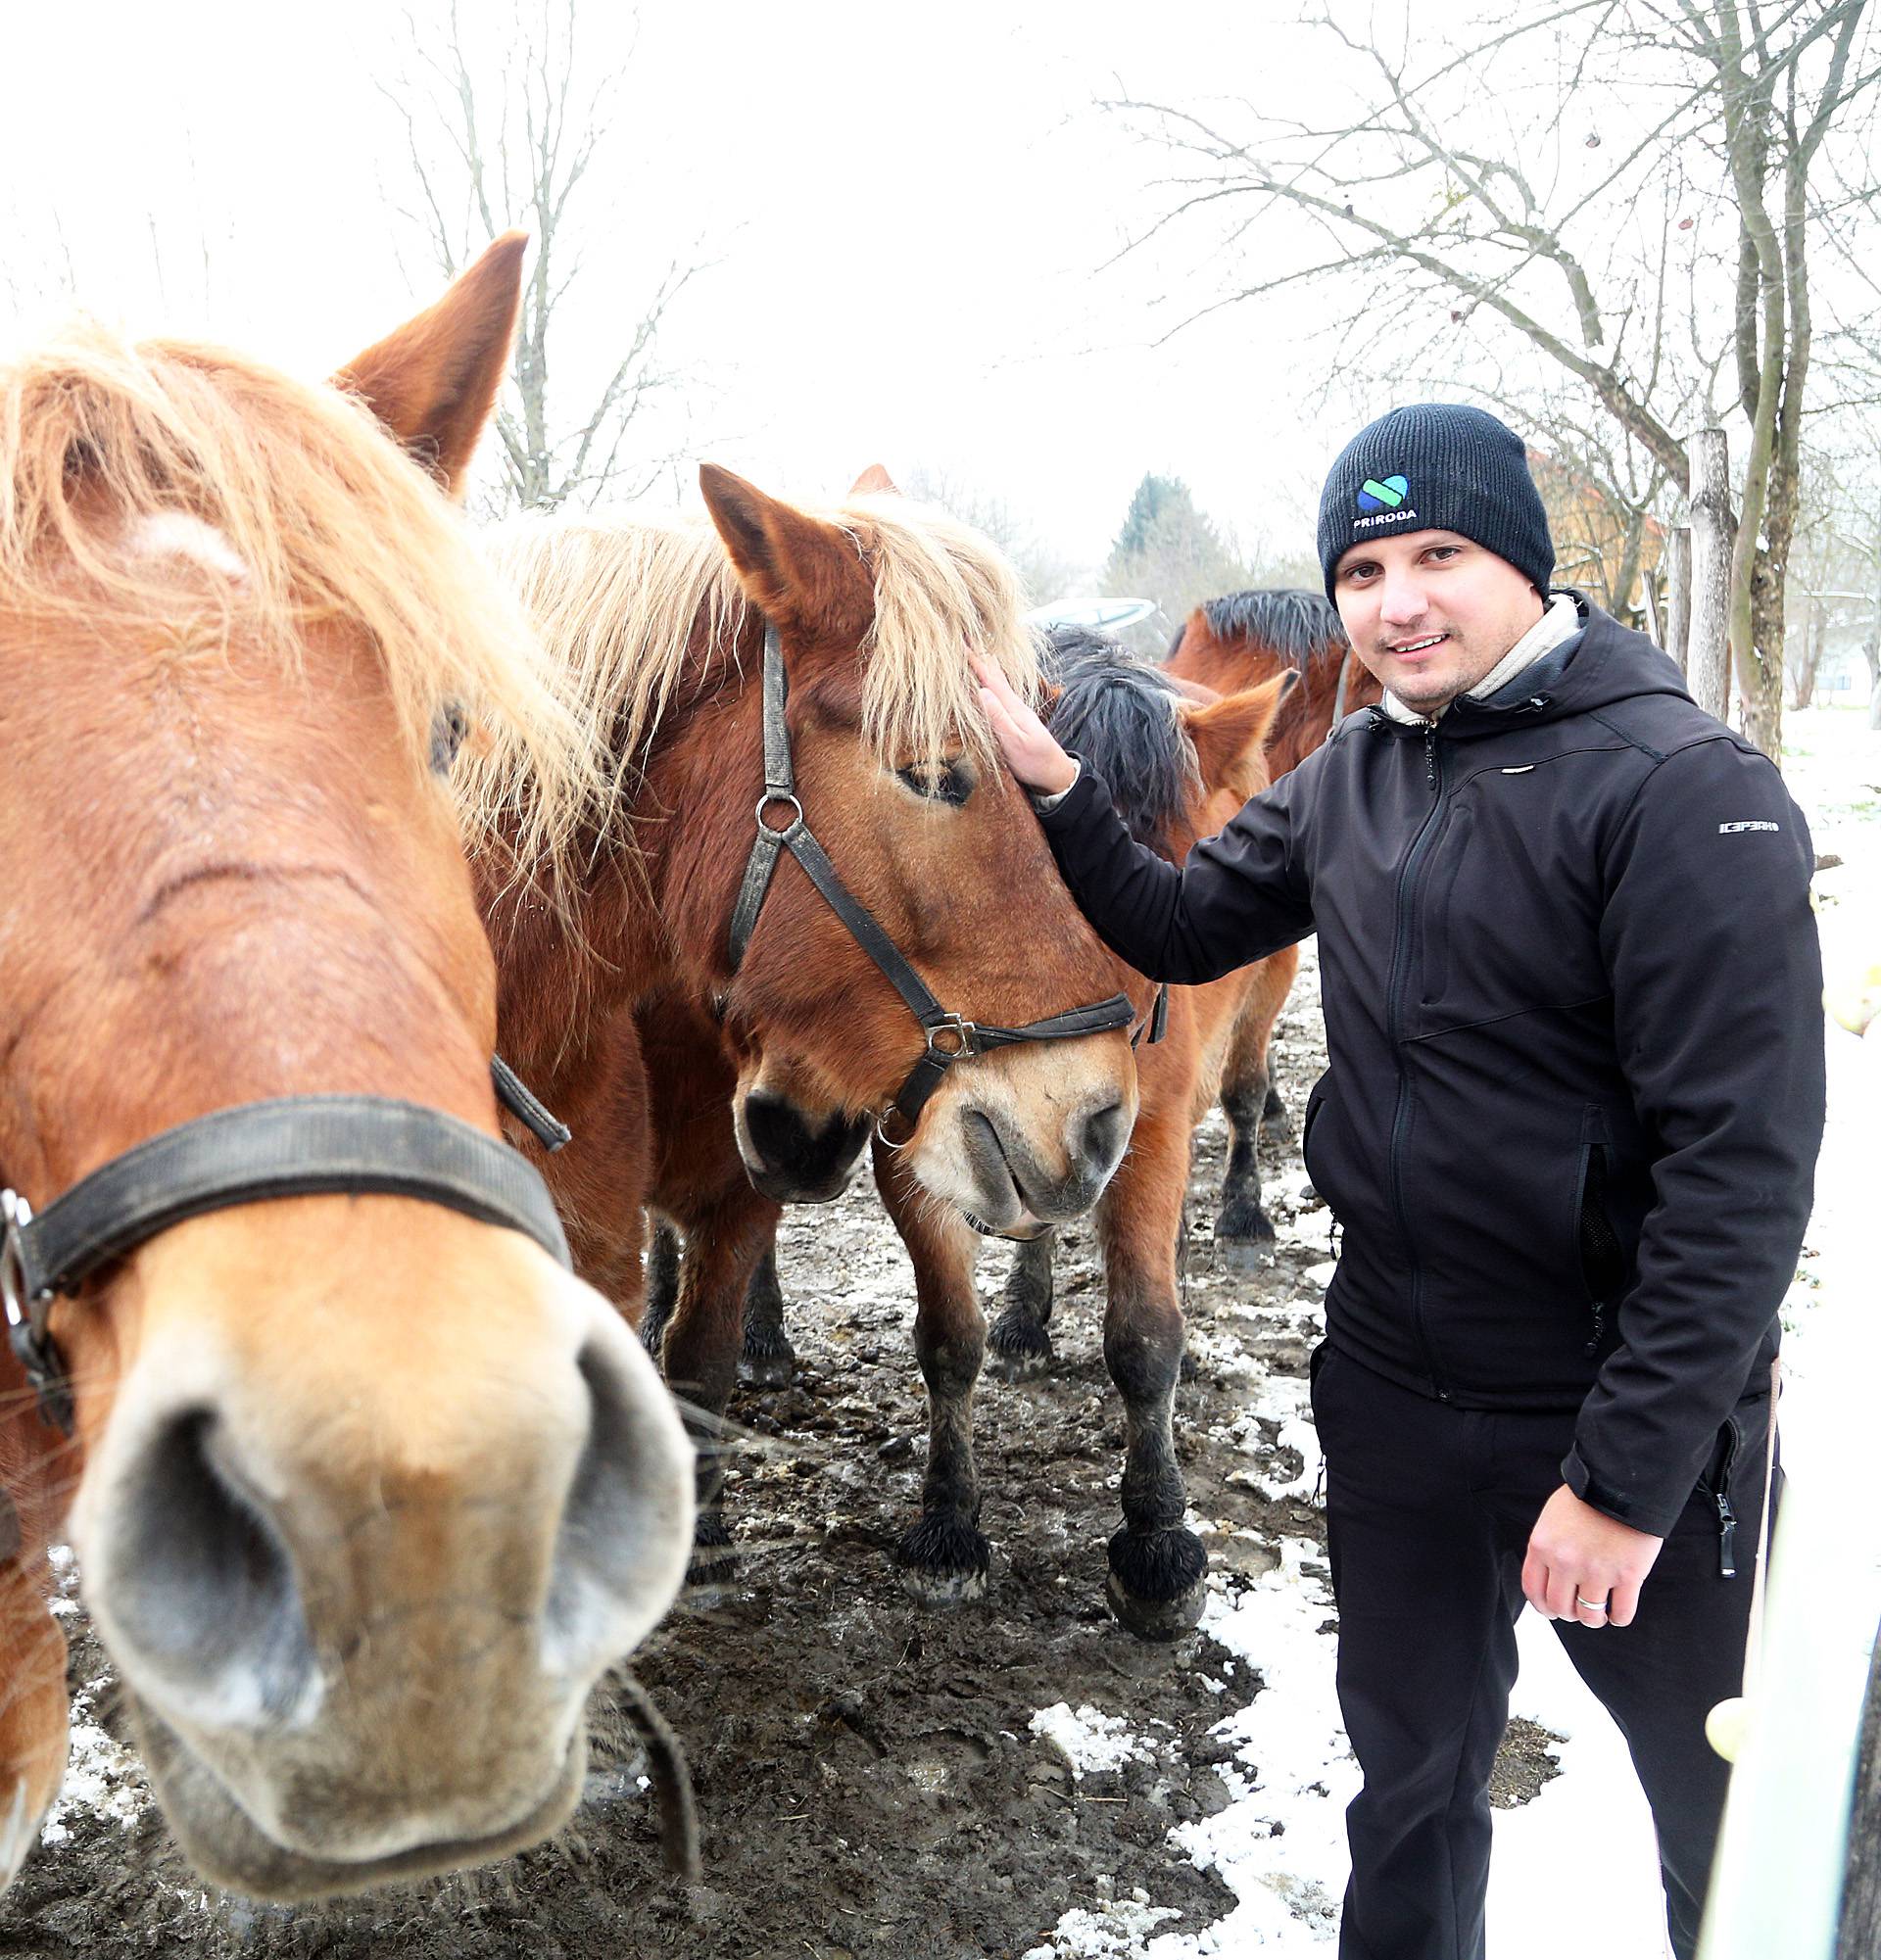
(951, 1037)
(295, 1146)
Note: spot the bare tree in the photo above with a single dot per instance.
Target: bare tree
(505, 135)
(1578, 186)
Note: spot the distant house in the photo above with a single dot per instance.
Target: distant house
(1610, 551)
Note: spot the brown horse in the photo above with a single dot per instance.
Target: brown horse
(875, 607)
(1184, 761)
(368, 1491)
(1240, 640)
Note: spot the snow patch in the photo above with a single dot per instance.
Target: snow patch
(1087, 1739)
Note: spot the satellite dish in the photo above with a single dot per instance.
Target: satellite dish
(1101, 615)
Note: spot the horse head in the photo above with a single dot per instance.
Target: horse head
(365, 1492)
(875, 608)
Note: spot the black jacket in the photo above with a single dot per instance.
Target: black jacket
(1573, 1015)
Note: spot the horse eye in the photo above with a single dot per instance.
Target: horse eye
(949, 783)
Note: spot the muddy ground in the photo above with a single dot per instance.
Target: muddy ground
(867, 1778)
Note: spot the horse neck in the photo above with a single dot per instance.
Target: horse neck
(650, 909)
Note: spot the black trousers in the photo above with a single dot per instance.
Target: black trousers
(1429, 1512)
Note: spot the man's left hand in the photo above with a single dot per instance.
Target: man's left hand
(1587, 1566)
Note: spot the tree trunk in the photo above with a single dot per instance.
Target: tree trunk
(1706, 655)
(1678, 595)
(1759, 674)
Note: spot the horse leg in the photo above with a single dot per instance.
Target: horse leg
(1274, 1120)
(1246, 1086)
(768, 1360)
(1155, 1586)
(1019, 1346)
(942, 1555)
(33, 1713)
(662, 1284)
(724, 1241)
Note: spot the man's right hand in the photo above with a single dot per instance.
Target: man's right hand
(1026, 742)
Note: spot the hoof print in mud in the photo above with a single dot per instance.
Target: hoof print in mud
(1157, 1582)
(944, 1562)
(1018, 1350)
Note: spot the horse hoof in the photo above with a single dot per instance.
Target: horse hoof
(1242, 1222)
(1157, 1585)
(767, 1370)
(1238, 1257)
(943, 1561)
(1018, 1350)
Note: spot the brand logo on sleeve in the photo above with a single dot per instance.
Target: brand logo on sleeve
(1748, 824)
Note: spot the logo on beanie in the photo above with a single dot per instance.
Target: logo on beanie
(1386, 495)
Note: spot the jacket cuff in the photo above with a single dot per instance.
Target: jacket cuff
(1063, 809)
(1642, 1510)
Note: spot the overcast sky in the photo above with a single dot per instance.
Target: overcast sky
(906, 208)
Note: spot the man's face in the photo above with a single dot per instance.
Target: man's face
(1429, 612)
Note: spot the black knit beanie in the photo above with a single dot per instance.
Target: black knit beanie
(1437, 466)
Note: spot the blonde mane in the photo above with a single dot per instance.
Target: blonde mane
(322, 517)
(617, 603)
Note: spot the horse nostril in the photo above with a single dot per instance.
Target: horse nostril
(616, 1516)
(1105, 1135)
(774, 1128)
(201, 1581)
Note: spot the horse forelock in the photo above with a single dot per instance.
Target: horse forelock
(125, 463)
(942, 592)
(1124, 717)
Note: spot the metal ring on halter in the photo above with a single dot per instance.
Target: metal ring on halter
(964, 1032)
(1592, 1606)
(765, 801)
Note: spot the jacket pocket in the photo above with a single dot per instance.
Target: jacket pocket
(1315, 1108)
(1597, 1246)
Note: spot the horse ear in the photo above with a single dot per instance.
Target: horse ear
(793, 567)
(434, 381)
(1229, 733)
(875, 481)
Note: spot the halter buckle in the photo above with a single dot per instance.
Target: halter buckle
(14, 1285)
(25, 1313)
(963, 1033)
(779, 831)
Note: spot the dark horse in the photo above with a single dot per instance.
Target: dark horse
(1238, 641)
(1245, 637)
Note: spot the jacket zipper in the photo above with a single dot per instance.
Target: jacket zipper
(1727, 1517)
(1434, 772)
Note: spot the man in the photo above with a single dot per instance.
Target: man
(1572, 1009)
